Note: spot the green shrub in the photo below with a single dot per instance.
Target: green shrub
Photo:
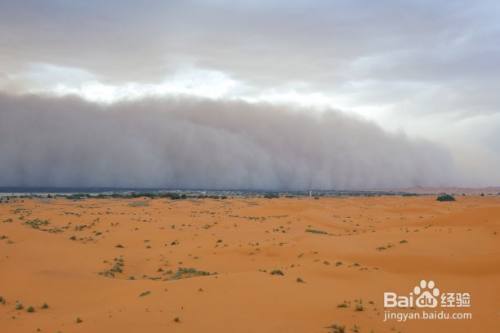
(445, 197)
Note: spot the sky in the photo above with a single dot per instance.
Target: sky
(256, 94)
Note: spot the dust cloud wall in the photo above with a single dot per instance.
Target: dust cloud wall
(188, 143)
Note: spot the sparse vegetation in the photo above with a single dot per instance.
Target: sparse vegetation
(36, 223)
(196, 225)
(118, 264)
(183, 273)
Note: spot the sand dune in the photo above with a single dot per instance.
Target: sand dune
(243, 264)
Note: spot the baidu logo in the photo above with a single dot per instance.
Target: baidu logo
(426, 302)
(426, 294)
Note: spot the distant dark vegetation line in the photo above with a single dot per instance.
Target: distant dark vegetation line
(83, 193)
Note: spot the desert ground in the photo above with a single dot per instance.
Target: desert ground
(243, 264)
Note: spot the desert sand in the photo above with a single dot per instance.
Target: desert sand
(243, 264)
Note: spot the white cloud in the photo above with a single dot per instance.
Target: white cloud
(62, 81)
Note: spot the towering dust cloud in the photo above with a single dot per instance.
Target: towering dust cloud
(193, 143)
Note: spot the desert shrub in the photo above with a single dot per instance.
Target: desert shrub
(315, 231)
(138, 204)
(118, 264)
(445, 197)
(335, 328)
(183, 273)
(344, 304)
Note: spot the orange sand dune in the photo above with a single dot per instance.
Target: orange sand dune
(112, 265)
